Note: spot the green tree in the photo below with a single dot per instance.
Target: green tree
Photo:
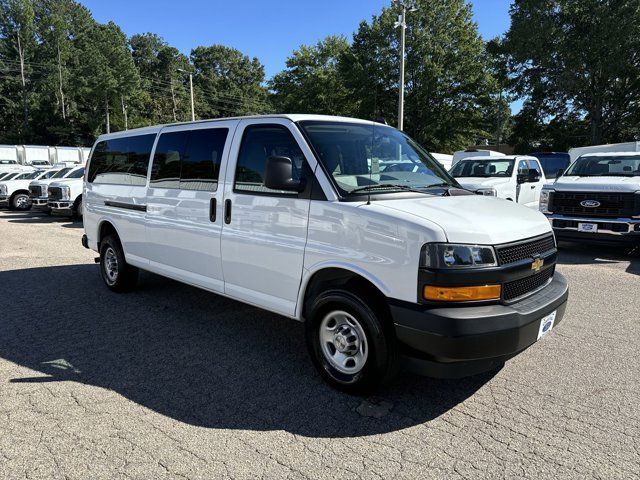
(312, 82)
(164, 85)
(227, 82)
(576, 64)
(449, 87)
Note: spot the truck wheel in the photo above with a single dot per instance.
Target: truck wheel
(78, 209)
(117, 274)
(352, 346)
(21, 202)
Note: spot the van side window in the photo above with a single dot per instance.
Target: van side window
(260, 142)
(189, 159)
(121, 161)
(201, 163)
(167, 160)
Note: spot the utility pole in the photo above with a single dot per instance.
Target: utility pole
(64, 115)
(402, 23)
(124, 113)
(24, 82)
(106, 106)
(193, 109)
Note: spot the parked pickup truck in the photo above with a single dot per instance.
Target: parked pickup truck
(299, 215)
(39, 189)
(65, 196)
(516, 178)
(14, 193)
(597, 199)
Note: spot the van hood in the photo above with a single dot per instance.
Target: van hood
(597, 184)
(474, 219)
(474, 183)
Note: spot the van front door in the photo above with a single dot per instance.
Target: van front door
(265, 231)
(183, 218)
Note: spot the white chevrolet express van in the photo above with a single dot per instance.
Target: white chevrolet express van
(307, 217)
(517, 178)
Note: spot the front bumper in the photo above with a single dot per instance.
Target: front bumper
(40, 202)
(455, 342)
(4, 200)
(61, 205)
(610, 230)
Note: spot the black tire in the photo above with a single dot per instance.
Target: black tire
(78, 209)
(125, 276)
(20, 202)
(382, 361)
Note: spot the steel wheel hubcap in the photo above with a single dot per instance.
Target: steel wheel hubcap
(343, 342)
(21, 202)
(111, 265)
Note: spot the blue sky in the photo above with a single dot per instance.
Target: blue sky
(257, 28)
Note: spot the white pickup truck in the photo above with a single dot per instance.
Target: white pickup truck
(517, 178)
(14, 192)
(65, 196)
(39, 189)
(597, 199)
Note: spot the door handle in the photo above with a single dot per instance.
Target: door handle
(533, 187)
(227, 211)
(212, 209)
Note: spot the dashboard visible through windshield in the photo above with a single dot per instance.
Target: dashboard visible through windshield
(364, 157)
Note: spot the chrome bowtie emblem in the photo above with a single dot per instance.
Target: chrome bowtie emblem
(590, 203)
(537, 264)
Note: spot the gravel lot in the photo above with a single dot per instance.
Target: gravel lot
(174, 382)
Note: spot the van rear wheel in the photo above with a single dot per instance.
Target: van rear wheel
(116, 273)
(351, 345)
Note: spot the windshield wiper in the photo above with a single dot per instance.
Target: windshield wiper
(392, 186)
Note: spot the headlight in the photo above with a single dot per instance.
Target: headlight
(444, 255)
(3, 189)
(66, 193)
(544, 201)
(489, 192)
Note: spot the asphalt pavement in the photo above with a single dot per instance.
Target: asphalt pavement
(174, 382)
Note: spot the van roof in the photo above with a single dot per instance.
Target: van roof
(498, 159)
(611, 154)
(296, 117)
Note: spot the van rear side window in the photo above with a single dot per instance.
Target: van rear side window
(189, 159)
(121, 161)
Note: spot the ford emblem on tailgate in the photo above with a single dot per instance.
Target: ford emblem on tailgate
(590, 204)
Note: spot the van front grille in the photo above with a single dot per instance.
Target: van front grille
(516, 252)
(519, 288)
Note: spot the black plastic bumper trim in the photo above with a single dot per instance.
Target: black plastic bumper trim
(445, 335)
(126, 206)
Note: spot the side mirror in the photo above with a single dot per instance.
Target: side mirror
(278, 175)
(533, 176)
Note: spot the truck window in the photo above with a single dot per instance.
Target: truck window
(201, 163)
(121, 161)
(523, 168)
(259, 143)
(534, 165)
(77, 174)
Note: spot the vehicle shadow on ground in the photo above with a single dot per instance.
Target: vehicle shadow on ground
(580, 254)
(193, 356)
(41, 218)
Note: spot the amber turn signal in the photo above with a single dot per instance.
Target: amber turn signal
(461, 294)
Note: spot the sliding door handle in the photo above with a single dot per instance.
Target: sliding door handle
(227, 211)
(212, 209)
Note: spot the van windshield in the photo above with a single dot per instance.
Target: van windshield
(605, 166)
(483, 168)
(363, 157)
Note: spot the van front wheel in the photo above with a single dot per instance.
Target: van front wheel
(352, 346)
(117, 274)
